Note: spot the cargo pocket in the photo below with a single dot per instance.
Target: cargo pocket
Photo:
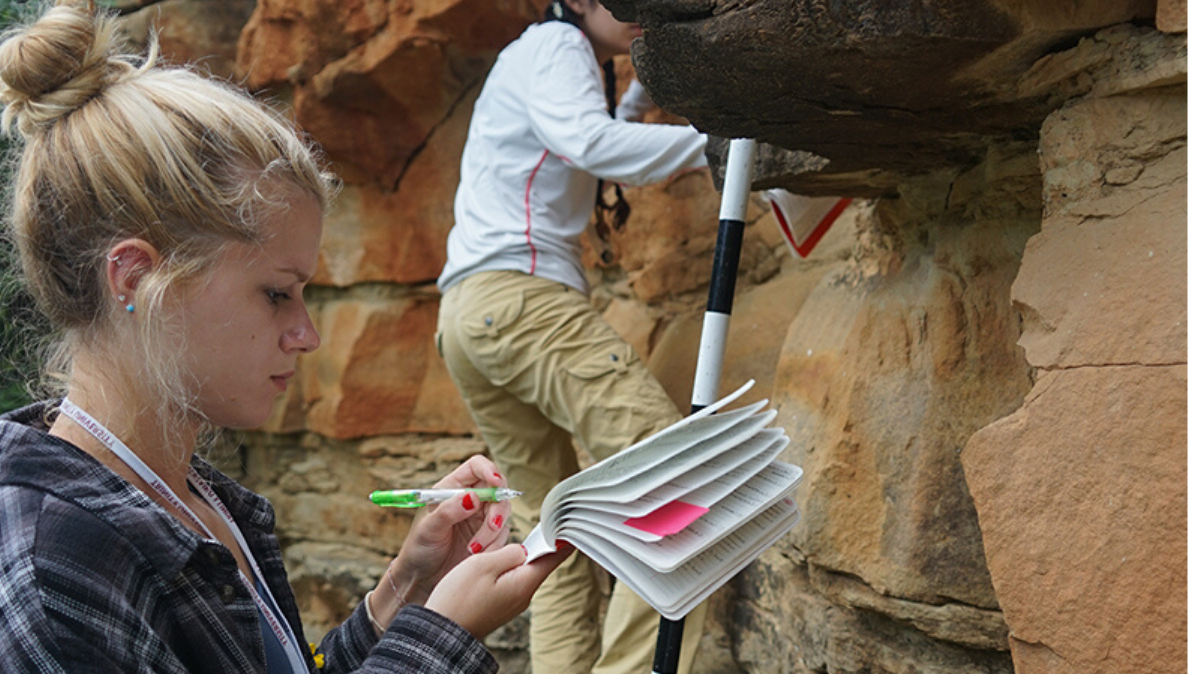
(490, 335)
(613, 400)
(614, 360)
(492, 322)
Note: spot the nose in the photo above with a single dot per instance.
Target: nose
(303, 337)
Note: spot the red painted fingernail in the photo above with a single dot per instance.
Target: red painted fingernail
(476, 548)
(499, 520)
(497, 476)
(559, 545)
(468, 502)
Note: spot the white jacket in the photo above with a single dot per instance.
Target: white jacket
(539, 137)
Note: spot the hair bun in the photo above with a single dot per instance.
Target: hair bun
(56, 65)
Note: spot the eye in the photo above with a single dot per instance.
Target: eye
(276, 296)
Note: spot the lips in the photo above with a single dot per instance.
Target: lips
(281, 380)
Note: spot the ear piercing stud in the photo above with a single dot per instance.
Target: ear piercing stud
(120, 298)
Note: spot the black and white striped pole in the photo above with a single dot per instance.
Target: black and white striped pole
(734, 197)
(706, 387)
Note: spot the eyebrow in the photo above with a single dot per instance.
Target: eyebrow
(300, 275)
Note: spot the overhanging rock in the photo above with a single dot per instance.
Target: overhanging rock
(876, 90)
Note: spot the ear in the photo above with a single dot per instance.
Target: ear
(126, 263)
(580, 7)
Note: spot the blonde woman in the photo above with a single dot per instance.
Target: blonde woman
(167, 225)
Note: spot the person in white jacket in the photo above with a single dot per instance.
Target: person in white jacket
(537, 366)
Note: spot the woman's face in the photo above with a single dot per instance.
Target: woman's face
(608, 36)
(248, 324)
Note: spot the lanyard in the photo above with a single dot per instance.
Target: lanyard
(270, 612)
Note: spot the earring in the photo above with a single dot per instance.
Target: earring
(114, 258)
(128, 307)
(557, 8)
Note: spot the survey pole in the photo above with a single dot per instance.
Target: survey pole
(732, 224)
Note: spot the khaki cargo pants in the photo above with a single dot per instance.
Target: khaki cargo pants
(538, 366)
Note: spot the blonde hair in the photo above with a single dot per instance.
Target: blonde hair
(117, 147)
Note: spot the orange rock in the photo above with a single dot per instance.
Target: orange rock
(373, 80)
(378, 373)
(1171, 16)
(1082, 492)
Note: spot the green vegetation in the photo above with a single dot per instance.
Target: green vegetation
(20, 323)
(20, 327)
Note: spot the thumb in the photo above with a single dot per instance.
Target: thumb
(539, 569)
(513, 574)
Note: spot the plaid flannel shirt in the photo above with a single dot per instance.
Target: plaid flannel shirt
(96, 577)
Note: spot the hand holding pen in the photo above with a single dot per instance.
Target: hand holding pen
(470, 520)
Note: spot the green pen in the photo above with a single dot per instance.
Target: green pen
(416, 498)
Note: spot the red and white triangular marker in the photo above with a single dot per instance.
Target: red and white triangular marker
(804, 220)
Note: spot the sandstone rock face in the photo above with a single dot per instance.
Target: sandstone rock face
(982, 366)
(398, 236)
(1171, 16)
(1081, 492)
(341, 390)
(372, 79)
(895, 358)
(199, 32)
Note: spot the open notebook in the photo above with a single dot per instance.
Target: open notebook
(679, 513)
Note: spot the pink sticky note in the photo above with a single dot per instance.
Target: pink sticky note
(669, 519)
